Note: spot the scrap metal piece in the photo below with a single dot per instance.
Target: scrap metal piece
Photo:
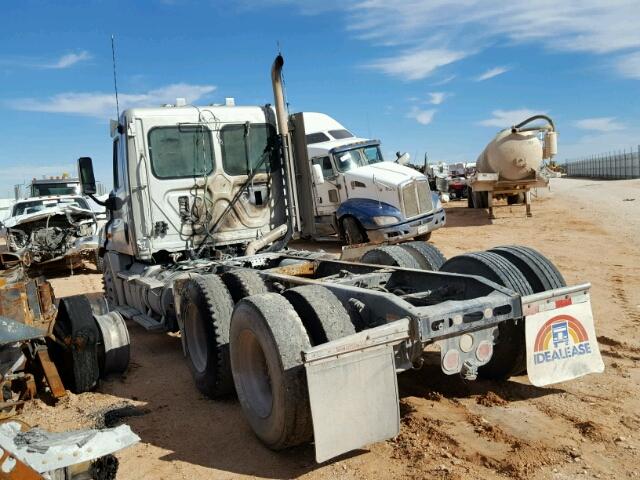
(51, 374)
(12, 468)
(12, 331)
(46, 451)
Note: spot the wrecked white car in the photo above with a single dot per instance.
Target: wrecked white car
(47, 230)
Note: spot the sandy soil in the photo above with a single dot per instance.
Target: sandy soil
(450, 429)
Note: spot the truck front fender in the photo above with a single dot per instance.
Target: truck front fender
(364, 209)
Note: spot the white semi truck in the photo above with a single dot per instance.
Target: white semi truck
(205, 202)
(359, 196)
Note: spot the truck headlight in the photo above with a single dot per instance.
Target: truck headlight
(385, 220)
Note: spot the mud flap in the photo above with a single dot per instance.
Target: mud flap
(562, 344)
(353, 390)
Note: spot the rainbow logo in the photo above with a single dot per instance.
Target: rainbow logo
(560, 338)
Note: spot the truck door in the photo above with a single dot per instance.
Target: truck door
(119, 228)
(326, 197)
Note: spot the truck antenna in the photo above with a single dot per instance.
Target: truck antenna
(115, 77)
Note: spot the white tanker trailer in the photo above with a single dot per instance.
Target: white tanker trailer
(509, 166)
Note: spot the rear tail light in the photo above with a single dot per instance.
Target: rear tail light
(484, 351)
(451, 361)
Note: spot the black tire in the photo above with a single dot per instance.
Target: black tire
(267, 337)
(353, 231)
(509, 352)
(322, 314)
(423, 238)
(99, 261)
(470, 198)
(514, 199)
(426, 254)
(244, 283)
(539, 271)
(205, 309)
(75, 327)
(393, 255)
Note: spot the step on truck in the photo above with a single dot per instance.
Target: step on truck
(205, 202)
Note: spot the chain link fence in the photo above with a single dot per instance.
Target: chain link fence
(620, 165)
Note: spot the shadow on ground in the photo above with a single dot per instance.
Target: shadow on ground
(214, 434)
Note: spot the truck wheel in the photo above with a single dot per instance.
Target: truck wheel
(353, 231)
(393, 255)
(480, 199)
(322, 314)
(539, 271)
(244, 283)
(267, 337)
(75, 352)
(514, 199)
(509, 352)
(426, 254)
(99, 261)
(206, 307)
(114, 355)
(108, 286)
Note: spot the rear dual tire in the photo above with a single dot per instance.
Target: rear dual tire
(267, 337)
(415, 254)
(523, 270)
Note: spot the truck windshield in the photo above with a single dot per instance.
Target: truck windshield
(53, 188)
(358, 157)
(25, 208)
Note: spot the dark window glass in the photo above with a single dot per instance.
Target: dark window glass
(178, 152)
(116, 183)
(244, 146)
(325, 164)
(56, 188)
(316, 138)
(339, 134)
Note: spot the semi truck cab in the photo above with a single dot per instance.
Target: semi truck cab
(360, 196)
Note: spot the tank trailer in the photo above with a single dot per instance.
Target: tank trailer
(509, 166)
(205, 202)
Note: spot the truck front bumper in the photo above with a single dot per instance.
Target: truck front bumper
(411, 228)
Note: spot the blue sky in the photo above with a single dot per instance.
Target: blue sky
(435, 76)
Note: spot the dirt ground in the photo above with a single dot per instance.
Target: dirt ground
(589, 428)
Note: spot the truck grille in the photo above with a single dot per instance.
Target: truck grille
(424, 196)
(416, 199)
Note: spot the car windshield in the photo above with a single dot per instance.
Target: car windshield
(25, 208)
(358, 157)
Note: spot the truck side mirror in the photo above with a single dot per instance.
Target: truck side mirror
(87, 179)
(318, 176)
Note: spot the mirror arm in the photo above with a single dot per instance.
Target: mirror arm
(99, 202)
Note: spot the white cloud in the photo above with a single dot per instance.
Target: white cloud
(436, 98)
(508, 118)
(599, 124)
(424, 117)
(493, 72)
(69, 60)
(593, 26)
(103, 105)
(417, 64)
(444, 81)
(629, 65)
